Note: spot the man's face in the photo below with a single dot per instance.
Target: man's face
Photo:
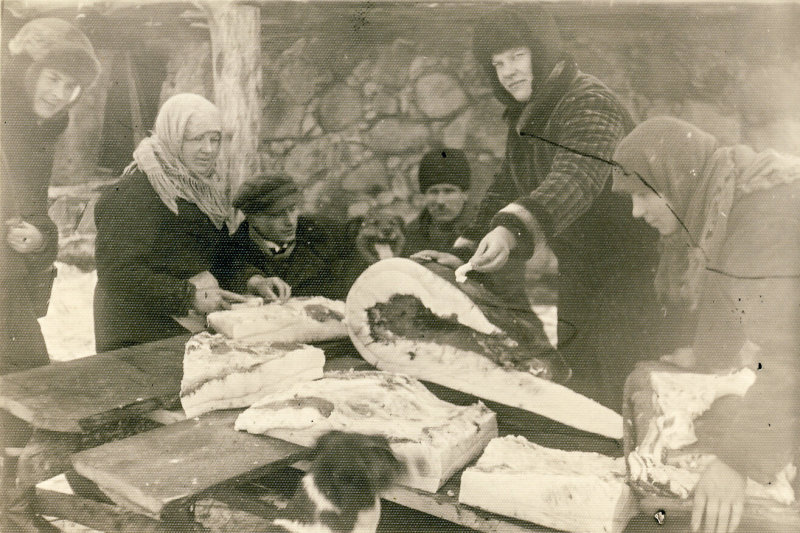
(515, 72)
(277, 225)
(53, 92)
(444, 202)
(200, 147)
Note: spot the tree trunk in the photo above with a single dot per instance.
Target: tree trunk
(236, 63)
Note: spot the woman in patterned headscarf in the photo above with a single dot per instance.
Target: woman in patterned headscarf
(729, 220)
(163, 229)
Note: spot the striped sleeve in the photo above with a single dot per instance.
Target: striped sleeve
(592, 123)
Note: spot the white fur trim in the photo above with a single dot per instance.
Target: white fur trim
(524, 216)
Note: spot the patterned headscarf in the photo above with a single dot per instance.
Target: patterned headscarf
(700, 181)
(159, 156)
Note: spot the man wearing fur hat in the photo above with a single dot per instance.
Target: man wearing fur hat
(444, 180)
(46, 66)
(285, 253)
(555, 188)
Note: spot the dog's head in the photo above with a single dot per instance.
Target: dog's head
(353, 469)
(380, 235)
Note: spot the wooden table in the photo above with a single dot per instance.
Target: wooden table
(151, 479)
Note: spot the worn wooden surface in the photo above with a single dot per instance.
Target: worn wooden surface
(75, 396)
(100, 516)
(153, 470)
(59, 396)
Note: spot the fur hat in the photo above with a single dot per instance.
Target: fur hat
(507, 29)
(57, 44)
(444, 166)
(268, 193)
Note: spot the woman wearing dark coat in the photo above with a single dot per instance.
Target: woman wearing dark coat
(45, 68)
(162, 231)
(729, 220)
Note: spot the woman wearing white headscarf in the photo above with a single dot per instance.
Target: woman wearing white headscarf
(162, 231)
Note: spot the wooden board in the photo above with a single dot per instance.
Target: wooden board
(66, 396)
(157, 469)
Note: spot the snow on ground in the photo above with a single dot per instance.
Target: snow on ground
(68, 327)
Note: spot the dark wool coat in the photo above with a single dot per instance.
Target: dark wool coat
(555, 185)
(145, 254)
(423, 233)
(323, 262)
(752, 294)
(27, 145)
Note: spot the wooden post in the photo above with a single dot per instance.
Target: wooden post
(133, 100)
(236, 62)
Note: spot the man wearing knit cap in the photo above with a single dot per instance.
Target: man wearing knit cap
(283, 253)
(444, 179)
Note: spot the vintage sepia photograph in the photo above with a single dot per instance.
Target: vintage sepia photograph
(346, 266)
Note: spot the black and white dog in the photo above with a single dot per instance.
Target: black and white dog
(341, 491)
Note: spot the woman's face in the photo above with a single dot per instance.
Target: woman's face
(515, 72)
(200, 148)
(655, 210)
(54, 90)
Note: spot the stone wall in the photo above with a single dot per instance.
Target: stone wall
(349, 115)
(352, 130)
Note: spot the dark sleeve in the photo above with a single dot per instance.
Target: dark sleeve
(592, 123)
(345, 264)
(234, 264)
(756, 298)
(128, 219)
(500, 193)
(43, 258)
(31, 203)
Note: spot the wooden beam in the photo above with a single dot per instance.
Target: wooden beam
(237, 63)
(133, 100)
(99, 516)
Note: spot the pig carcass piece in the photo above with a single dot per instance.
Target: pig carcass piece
(415, 319)
(404, 315)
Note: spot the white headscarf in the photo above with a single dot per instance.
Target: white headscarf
(158, 156)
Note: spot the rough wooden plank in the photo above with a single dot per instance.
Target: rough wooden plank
(57, 397)
(96, 515)
(152, 471)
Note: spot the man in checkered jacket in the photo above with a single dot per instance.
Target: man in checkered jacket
(555, 187)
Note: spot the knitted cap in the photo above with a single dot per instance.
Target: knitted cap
(57, 44)
(444, 166)
(267, 193)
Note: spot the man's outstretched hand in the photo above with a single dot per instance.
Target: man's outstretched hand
(494, 250)
(443, 258)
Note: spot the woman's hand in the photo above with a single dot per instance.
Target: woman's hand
(493, 250)
(210, 299)
(443, 258)
(271, 289)
(23, 237)
(719, 497)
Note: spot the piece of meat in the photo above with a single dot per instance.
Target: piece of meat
(405, 316)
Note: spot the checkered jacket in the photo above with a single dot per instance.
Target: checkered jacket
(554, 173)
